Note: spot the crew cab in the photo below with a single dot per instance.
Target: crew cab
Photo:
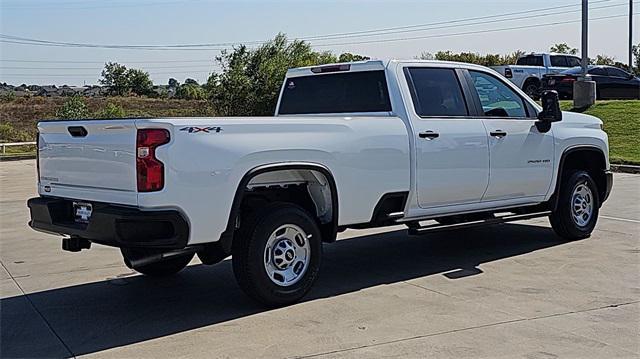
(529, 70)
(427, 144)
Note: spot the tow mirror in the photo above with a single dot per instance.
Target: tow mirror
(550, 111)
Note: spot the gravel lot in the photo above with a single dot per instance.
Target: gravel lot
(513, 290)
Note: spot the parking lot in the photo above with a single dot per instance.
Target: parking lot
(513, 290)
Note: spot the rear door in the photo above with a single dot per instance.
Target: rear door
(521, 157)
(90, 160)
(452, 155)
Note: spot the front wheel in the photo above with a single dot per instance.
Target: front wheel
(276, 254)
(578, 206)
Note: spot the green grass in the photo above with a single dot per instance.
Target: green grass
(18, 151)
(622, 124)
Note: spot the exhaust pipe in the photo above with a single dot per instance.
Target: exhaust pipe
(159, 257)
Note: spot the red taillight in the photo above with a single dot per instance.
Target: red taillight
(568, 79)
(507, 73)
(150, 170)
(38, 155)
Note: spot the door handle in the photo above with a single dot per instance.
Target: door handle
(429, 135)
(498, 133)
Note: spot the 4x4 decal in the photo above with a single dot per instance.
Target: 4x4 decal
(192, 129)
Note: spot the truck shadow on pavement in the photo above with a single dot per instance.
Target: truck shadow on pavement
(125, 310)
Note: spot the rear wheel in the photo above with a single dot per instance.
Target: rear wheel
(578, 206)
(277, 253)
(162, 268)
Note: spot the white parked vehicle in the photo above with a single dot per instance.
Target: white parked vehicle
(529, 69)
(354, 145)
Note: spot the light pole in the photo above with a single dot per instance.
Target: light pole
(630, 35)
(584, 90)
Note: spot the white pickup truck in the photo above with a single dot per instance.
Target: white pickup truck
(529, 69)
(355, 145)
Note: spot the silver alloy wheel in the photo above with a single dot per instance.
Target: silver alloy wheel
(287, 255)
(582, 204)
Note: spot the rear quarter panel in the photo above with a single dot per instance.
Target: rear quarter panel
(368, 157)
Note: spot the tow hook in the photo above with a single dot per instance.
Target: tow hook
(75, 244)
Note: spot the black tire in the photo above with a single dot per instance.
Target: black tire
(562, 219)
(248, 254)
(532, 89)
(162, 268)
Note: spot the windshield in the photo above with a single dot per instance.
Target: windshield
(346, 92)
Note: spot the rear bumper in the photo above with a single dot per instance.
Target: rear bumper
(111, 225)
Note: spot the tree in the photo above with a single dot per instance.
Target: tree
(73, 108)
(250, 80)
(190, 82)
(111, 111)
(473, 58)
(173, 83)
(139, 82)
(116, 78)
(563, 48)
(190, 91)
(603, 60)
(349, 57)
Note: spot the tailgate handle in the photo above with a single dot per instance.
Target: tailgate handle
(77, 131)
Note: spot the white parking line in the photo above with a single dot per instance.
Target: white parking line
(621, 219)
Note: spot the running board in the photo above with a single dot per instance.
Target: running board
(496, 220)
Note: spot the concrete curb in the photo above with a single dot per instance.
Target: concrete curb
(625, 168)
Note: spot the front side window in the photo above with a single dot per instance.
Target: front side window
(559, 61)
(347, 92)
(497, 99)
(436, 92)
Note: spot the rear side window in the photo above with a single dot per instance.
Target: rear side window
(531, 60)
(436, 92)
(364, 91)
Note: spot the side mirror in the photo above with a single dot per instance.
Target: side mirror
(550, 111)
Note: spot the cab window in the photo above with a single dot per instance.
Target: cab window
(497, 99)
(559, 61)
(530, 60)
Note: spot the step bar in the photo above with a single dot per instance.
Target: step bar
(417, 230)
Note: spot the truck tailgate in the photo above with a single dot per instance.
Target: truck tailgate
(89, 160)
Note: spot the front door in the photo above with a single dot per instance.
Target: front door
(452, 154)
(521, 157)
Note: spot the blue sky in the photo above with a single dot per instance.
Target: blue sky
(148, 22)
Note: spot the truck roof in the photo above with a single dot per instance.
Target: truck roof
(548, 53)
(369, 65)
